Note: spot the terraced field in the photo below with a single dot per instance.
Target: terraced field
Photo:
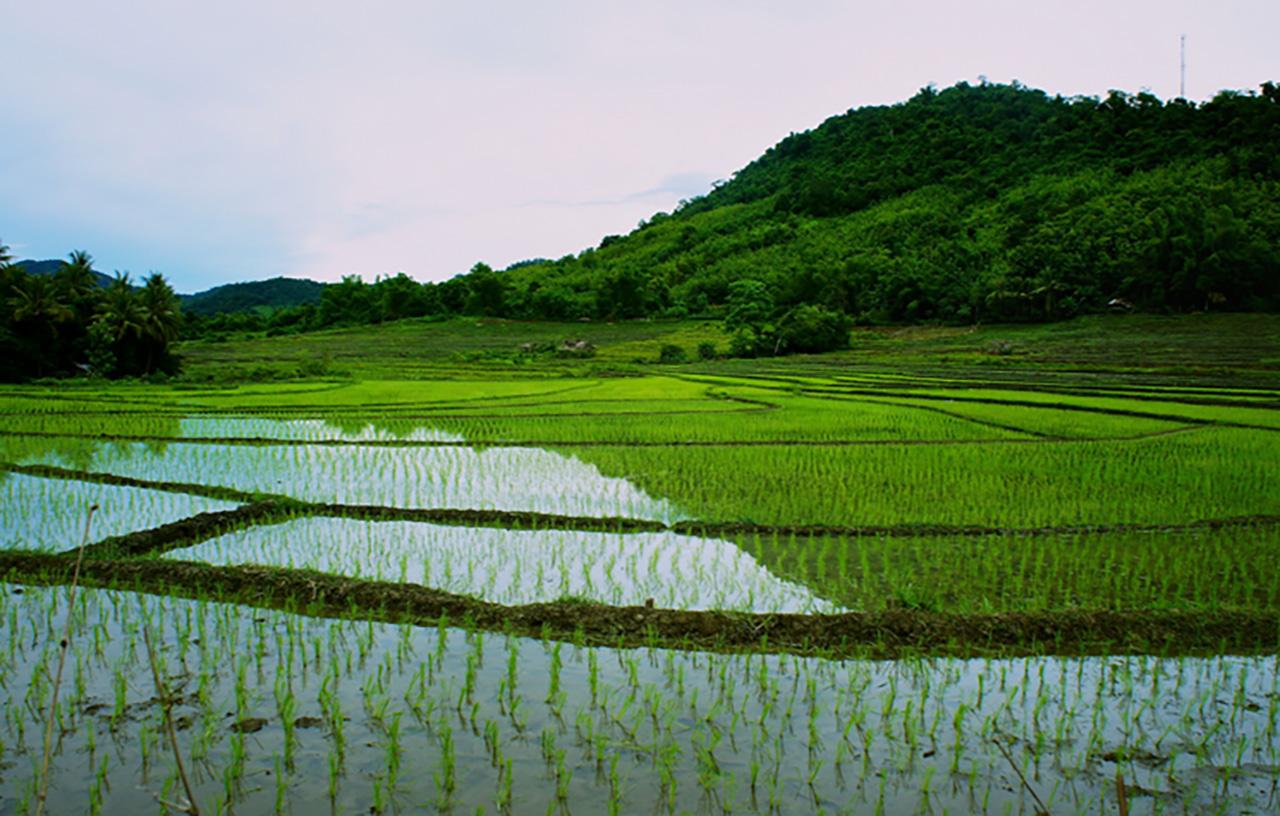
(773, 589)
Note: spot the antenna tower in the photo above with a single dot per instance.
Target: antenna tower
(1182, 66)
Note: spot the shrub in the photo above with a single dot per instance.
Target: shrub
(812, 329)
(672, 353)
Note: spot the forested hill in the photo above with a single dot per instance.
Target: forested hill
(274, 293)
(50, 268)
(987, 202)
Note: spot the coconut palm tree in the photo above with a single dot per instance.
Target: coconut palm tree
(76, 277)
(37, 311)
(35, 300)
(120, 310)
(5, 257)
(161, 315)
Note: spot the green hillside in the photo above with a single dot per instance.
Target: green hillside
(987, 202)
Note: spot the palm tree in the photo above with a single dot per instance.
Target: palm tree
(162, 315)
(5, 257)
(35, 299)
(76, 277)
(120, 310)
(36, 312)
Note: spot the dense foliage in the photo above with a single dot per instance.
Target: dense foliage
(348, 303)
(67, 323)
(974, 203)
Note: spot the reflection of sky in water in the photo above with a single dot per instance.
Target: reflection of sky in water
(312, 429)
(840, 736)
(521, 566)
(49, 514)
(501, 478)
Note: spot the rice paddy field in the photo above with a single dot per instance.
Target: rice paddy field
(905, 584)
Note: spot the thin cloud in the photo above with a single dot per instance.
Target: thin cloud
(683, 185)
(243, 140)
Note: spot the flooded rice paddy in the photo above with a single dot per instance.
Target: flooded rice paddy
(520, 566)
(283, 713)
(456, 477)
(276, 711)
(49, 514)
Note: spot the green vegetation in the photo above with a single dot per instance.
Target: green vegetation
(1226, 349)
(67, 323)
(987, 203)
(973, 204)
(929, 448)
(651, 565)
(259, 296)
(970, 205)
(907, 575)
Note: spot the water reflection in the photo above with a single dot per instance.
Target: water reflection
(521, 566)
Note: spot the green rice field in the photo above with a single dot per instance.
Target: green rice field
(916, 585)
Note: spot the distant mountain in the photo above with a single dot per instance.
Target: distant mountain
(50, 268)
(276, 293)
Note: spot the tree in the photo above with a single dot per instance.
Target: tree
(399, 297)
(5, 257)
(101, 354)
(621, 296)
(120, 310)
(76, 277)
(37, 312)
(35, 300)
(349, 302)
(161, 321)
(748, 320)
(488, 295)
(810, 329)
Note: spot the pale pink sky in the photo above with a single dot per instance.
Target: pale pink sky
(237, 140)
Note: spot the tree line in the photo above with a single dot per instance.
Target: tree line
(67, 323)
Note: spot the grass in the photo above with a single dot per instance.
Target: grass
(1177, 479)
(1215, 346)
(1196, 569)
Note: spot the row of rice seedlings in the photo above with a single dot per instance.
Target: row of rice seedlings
(18, 403)
(48, 514)
(1250, 415)
(381, 392)
(795, 419)
(1183, 478)
(520, 566)
(281, 713)
(490, 479)
(1208, 473)
(978, 399)
(1050, 420)
(1232, 568)
(123, 424)
(1127, 383)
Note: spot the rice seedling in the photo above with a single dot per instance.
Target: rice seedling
(517, 566)
(1083, 503)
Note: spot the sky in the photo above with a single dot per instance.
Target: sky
(233, 140)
